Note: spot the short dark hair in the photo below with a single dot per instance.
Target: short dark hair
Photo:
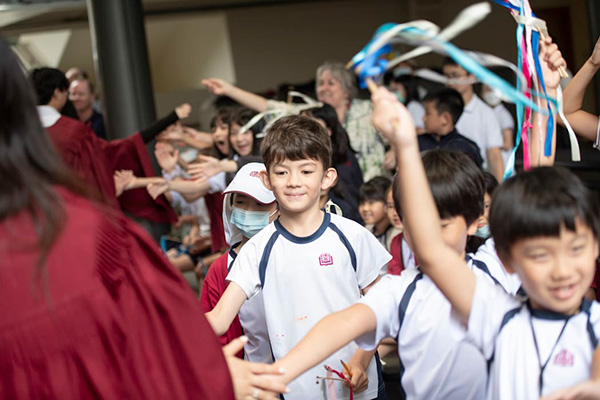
(340, 142)
(45, 81)
(374, 189)
(296, 137)
(447, 100)
(223, 115)
(538, 203)
(241, 116)
(491, 183)
(457, 184)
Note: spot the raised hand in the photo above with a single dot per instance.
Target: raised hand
(252, 380)
(391, 118)
(550, 59)
(205, 167)
(217, 86)
(166, 158)
(183, 111)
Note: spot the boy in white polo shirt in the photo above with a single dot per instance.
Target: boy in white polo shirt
(437, 360)
(307, 263)
(546, 225)
(478, 121)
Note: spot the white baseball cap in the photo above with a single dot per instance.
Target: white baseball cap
(247, 181)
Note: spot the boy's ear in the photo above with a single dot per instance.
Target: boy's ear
(329, 178)
(264, 178)
(447, 118)
(472, 229)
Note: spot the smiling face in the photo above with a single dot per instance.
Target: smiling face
(331, 91)
(372, 211)
(220, 136)
(391, 211)
(81, 95)
(556, 271)
(297, 184)
(241, 143)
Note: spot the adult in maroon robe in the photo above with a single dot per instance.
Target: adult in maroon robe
(110, 319)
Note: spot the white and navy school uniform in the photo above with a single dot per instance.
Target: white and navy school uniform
(437, 359)
(254, 325)
(531, 352)
(304, 279)
(488, 261)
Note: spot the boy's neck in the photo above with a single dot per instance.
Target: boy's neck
(442, 132)
(468, 96)
(380, 227)
(302, 224)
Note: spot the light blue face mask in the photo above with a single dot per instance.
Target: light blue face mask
(483, 232)
(249, 222)
(400, 98)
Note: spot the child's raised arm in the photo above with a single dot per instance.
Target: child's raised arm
(226, 309)
(329, 335)
(583, 122)
(550, 59)
(420, 216)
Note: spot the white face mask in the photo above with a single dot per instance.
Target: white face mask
(492, 98)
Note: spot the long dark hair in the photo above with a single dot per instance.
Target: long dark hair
(339, 137)
(30, 168)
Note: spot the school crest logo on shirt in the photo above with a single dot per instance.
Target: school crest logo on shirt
(564, 359)
(255, 174)
(325, 259)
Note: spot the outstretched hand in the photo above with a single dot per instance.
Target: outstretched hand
(123, 179)
(166, 158)
(155, 189)
(205, 167)
(183, 111)
(551, 59)
(392, 119)
(217, 86)
(252, 380)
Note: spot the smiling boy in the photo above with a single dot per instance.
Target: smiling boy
(307, 263)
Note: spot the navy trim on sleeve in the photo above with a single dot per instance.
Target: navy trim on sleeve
(346, 243)
(262, 267)
(507, 317)
(586, 306)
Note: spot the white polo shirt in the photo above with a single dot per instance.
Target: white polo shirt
(479, 123)
(517, 340)
(486, 254)
(302, 280)
(416, 111)
(437, 358)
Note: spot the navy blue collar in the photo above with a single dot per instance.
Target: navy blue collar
(548, 314)
(307, 239)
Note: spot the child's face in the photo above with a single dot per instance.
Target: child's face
(297, 184)
(556, 271)
(241, 143)
(432, 120)
(220, 136)
(456, 71)
(249, 204)
(484, 220)
(372, 211)
(391, 212)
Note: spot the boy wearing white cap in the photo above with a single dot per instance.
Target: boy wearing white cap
(248, 206)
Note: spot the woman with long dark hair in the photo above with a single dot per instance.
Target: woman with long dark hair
(90, 308)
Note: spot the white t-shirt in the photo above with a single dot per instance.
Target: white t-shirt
(252, 319)
(306, 279)
(438, 359)
(506, 121)
(501, 326)
(417, 111)
(487, 254)
(478, 122)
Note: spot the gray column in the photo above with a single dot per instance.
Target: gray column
(123, 73)
(121, 60)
